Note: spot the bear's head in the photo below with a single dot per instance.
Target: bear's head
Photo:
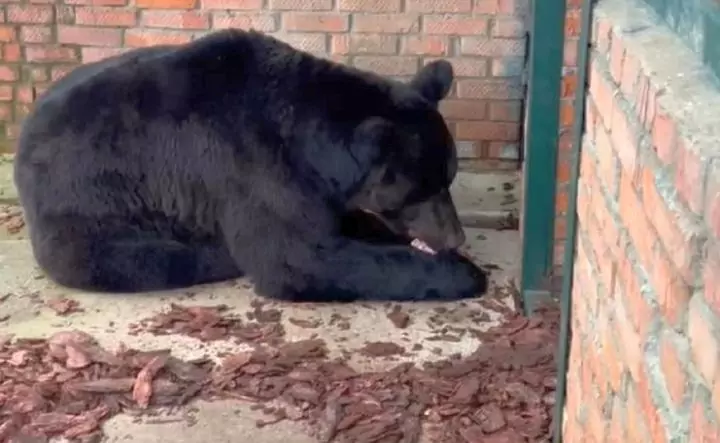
(414, 164)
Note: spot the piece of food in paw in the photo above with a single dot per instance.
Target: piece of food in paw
(422, 246)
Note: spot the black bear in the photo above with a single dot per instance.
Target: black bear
(238, 155)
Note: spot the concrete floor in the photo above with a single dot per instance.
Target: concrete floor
(235, 421)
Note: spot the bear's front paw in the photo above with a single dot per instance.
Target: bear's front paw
(467, 274)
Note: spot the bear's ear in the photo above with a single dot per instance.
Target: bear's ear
(434, 80)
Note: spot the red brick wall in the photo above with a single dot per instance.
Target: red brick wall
(645, 353)
(41, 40)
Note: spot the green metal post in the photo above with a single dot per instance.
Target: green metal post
(541, 143)
(563, 352)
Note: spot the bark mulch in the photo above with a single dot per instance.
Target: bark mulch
(67, 385)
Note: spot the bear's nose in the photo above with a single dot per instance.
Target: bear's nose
(455, 239)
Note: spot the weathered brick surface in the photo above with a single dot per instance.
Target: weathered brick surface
(645, 352)
(484, 39)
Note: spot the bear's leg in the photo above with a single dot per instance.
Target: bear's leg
(103, 256)
(361, 271)
(309, 261)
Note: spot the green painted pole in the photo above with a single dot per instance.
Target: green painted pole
(545, 63)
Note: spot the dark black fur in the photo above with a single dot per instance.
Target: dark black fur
(237, 154)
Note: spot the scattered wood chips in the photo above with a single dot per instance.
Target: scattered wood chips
(68, 385)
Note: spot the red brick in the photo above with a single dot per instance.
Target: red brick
(560, 222)
(426, 6)
(607, 162)
(676, 232)
(364, 44)
(89, 55)
(312, 42)
(386, 23)
(178, 4)
(690, 175)
(715, 430)
(561, 200)
(36, 34)
(572, 23)
(610, 354)
(567, 113)
(455, 24)
(488, 131)
(562, 174)
(465, 67)
(650, 410)
(7, 34)
(631, 343)
(495, 6)
(673, 293)
(244, 20)
(712, 200)
(617, 59)
(570, 53)
(135, 38)
(370, 5)
(301, 5)
(58, 72)
(506, 111)
(488, 89)
(433, 45)
(664, 136)
(29, 14)
(464, 109)
(11, 52)
(591, 120)
(618, 418)
(175, 19)
(641, 311)
(24, 94)
(393, 66)
(702, 430)
(114, 17)
(711, 280)
(315, 22)
(672, 363)
(597, 425)
(6, 93)
(492, 47)
(49, 54)
(602, 94)
(568, 85)
(508, 27)
(8, 73)
(641, 232)
(703, 341)
(87, 36)
(624, 139)
(97, 2)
